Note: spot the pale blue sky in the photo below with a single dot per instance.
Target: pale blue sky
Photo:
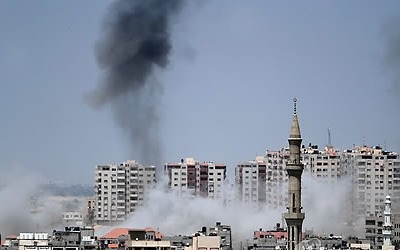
(235, 68)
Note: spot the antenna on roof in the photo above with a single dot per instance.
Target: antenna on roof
(329, 137)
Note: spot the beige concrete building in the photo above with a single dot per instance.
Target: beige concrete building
(149, 245)
(120, 189)
(197, 243)
(375, 174)
(323, 164)
(374, 231)
(89, 211)
(72, 218)
(202, 242)
(33, 241)
(194, 178)
(264, 180)
(396, 229)
(250, 179)
(218, 238)
(277, 178)
(360, 246)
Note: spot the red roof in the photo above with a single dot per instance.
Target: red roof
(115, 233)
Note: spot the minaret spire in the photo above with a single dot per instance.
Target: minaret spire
(294, 216)
(295, 130)
(387, 226)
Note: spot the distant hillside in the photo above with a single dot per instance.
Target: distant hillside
(68, 190)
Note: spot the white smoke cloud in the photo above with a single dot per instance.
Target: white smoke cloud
(174, 215)
(24, 207)
(327, 205)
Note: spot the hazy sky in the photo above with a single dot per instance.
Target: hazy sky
(228, 90)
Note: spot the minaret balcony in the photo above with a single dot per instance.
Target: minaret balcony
(294, 216)
(294, 167)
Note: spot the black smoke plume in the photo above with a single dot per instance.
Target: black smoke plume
(135, 44)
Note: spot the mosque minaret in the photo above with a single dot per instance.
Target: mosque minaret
(387, 226)
(294, 216)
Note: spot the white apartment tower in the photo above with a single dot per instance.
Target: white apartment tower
(120, 189)
(277, 177)
(264, 180)
(375, 174)
(250, 178)
(323, 164)
(193, 178)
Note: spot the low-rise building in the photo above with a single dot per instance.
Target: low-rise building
(73, 238)
(11, 241)
(218, 237)
(33, 241)
(72, 219)
(266, 239)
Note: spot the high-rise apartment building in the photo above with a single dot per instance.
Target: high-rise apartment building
(323, 164)
(375, 174)
(193, 178)
(250, 178)
(277, 178)
(264, 180)
(396, 229)
(120, 189)
(320, 164)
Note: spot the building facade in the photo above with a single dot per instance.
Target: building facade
(250, 179)
(89, 211)
(383, 230)
(120, 189)
(277, 178)
(192, 178)
(396, 229)
(323, 164)
(375, 173)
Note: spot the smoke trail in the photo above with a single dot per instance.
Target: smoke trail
(135, 43)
